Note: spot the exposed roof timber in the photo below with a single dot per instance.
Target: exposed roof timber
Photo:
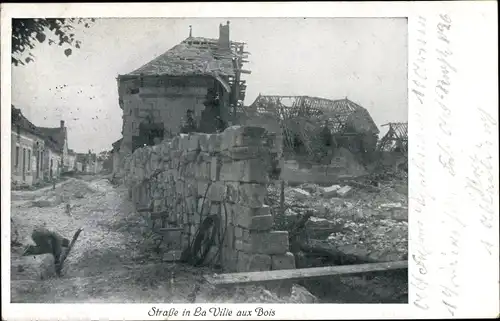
(337, 112)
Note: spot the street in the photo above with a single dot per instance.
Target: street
(112, 261)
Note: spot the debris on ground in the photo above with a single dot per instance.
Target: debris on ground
(112, 261)
(374, 221)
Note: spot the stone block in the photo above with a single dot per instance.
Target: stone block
(183, 142)
(250, 171)
(264, 210)
(193, 143)
(237, 136)
(300, 194)
(238, 232)
(229, 258)
(273, 242)
(345, 191)
(246, 152)
(252, 195)
(202, 188)
(203, 157)
(203, 141)
(250, 262)
(191, 204)
(331, 191)
(175, 143)
(190, 156)
(283, 261)
(172, 256)
(255, 223)
(216, 192)
(214, 143)
(203, 170)
(232, 191)
(215, 208)
(215, 166)
(174, 239)
(196, 217)
(203, 207)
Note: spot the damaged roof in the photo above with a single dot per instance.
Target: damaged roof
(193, 56)
(396, 137)
(343, 115)
(56, 134)
(18, 119)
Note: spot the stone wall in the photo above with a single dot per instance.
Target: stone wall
(232, 169)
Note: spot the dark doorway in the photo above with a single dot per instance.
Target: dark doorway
(149, 134)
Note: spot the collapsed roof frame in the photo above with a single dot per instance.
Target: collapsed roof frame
(304, 115)
(396, 136)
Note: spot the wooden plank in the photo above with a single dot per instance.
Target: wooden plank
(66, 253)
(301, 274)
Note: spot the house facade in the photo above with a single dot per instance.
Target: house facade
(71, 161)
(34, 157)
(199, 75)
(88, 163)
(59, 137)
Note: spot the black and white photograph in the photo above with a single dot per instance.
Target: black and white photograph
(193, 149)
(182, 160)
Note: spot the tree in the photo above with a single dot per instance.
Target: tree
(26, 33)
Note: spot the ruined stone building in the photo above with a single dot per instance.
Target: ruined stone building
(305, 122)
(195, 75)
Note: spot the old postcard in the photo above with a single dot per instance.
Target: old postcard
(244, 161)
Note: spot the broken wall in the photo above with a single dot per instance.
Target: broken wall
(343, 165)
(232, 169)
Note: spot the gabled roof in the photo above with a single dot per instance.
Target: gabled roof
(18, 119)
(193, 56)
(56, 134)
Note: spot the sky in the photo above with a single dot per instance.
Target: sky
(363, 59)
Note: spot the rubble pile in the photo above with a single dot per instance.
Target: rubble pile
(358, 217)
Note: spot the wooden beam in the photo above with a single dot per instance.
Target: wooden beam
(301, 274)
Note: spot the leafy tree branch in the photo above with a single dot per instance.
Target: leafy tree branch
(27, 33)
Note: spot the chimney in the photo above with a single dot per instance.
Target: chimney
(224, 36)
(62, 123)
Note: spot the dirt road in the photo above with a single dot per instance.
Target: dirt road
(111, 261)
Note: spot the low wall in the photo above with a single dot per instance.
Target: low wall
(232, 169)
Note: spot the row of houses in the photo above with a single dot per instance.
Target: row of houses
(42, 154)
